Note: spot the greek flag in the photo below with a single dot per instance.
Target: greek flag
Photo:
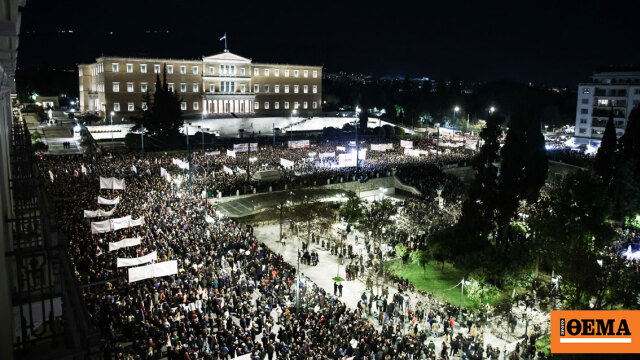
(224, 37)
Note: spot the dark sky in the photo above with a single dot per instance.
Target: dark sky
(556, 42)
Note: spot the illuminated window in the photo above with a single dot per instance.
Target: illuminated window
(315, 89)
(601, 102)
(144, 106)
(116, 87)
(276, 105)
(130, 107)
(130, 87)
(256, 105)
(305, 89)
(183, 87)
(266, 105)
(296, 105)
(276, 88)
(156, 69)
(266, 72)
(315, 73)
(143, 87)
(256, 72)
(305, 105)
(295, 89)
(314, 104)
(276, 72)
(211, 70)
(286, 73)
(129, 68)
(114, 67)
(286, 89)
(169, 69)
(212, 88)
(195, 87)
(305, 73)
(243, 88)
(256, 88)
(170, 86)
(195, 70)
(286, 105)
(196, 105)
(143, 68)
(116, 106)
(183, 106)
(183, 69)
(266, 88)
(242, 71)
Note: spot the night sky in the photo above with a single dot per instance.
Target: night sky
(554, 42)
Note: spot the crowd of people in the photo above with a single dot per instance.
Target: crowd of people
(233, 295)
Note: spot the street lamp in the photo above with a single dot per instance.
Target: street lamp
(437, 142)
(357, 143)
(462, 283)
(492, 110)
(112, 113)
(455, 110)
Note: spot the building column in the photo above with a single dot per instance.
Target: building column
(237, 105)
(220, 108)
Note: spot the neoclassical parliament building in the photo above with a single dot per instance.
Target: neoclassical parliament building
(219, 84)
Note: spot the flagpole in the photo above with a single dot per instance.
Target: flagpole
(225, 42)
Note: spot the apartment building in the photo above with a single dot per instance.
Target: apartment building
(224, 83)
(610, 89)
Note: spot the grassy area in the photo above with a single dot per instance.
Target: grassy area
(544, 344)
(439, 282)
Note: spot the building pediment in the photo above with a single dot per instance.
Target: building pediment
(227, 57)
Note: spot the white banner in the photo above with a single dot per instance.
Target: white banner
(165, 268)
(231, 153)
(124, 243)
(103, 201)
(125, 262)
(347, 160)
(407, 144)
(99, 227)
(227, 170)
(416, 152)
(244, 147)
(327, 155)
(381, 147)
(298, 144)
(287, 164)
(111, 183)
(120, 223)
(341, 148)
(181, 164)
(212, 153)
(97, 213)
(137, 222)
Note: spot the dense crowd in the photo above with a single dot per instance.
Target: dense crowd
(233, 295)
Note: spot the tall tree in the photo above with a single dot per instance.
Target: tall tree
(524, 167)
(626, 180)
(605, 158)
(163, 116)
(479, 209)
(630, 141)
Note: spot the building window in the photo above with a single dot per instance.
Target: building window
(129, 68)
(266, 72)
(636, 92)
(130, 107)
(305, 89)
(286, 89)
(256, 72)
(143, 87)
(183, 69)
(195, 70)
(144, 106)
(296, 88)
(296, 73)
(583, 121)
(116, 87)
(305, 73)
(130, 87)
(195, 87)
(116, 106)
(586, 91)
(242, 71)
(276, 105)
(256, 88)
(156, 69)
(305, 105)
(212, 88)
(296, 105)
(286, 72)
(143, 68)
(602, 102)
(286, 105)
(276, 88)
(276, 72)
(243, 88)
(183, 87)
(266, 88)
(585, 101)
(170, 86)
(315, 89)
(583, 131)
(256, 105)
(211, 70)
(183, 106)
(114, 67)
(169, 69)
(315, 73)
(196, 105)
(266, 105)
(314, 104)
(584, 111)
